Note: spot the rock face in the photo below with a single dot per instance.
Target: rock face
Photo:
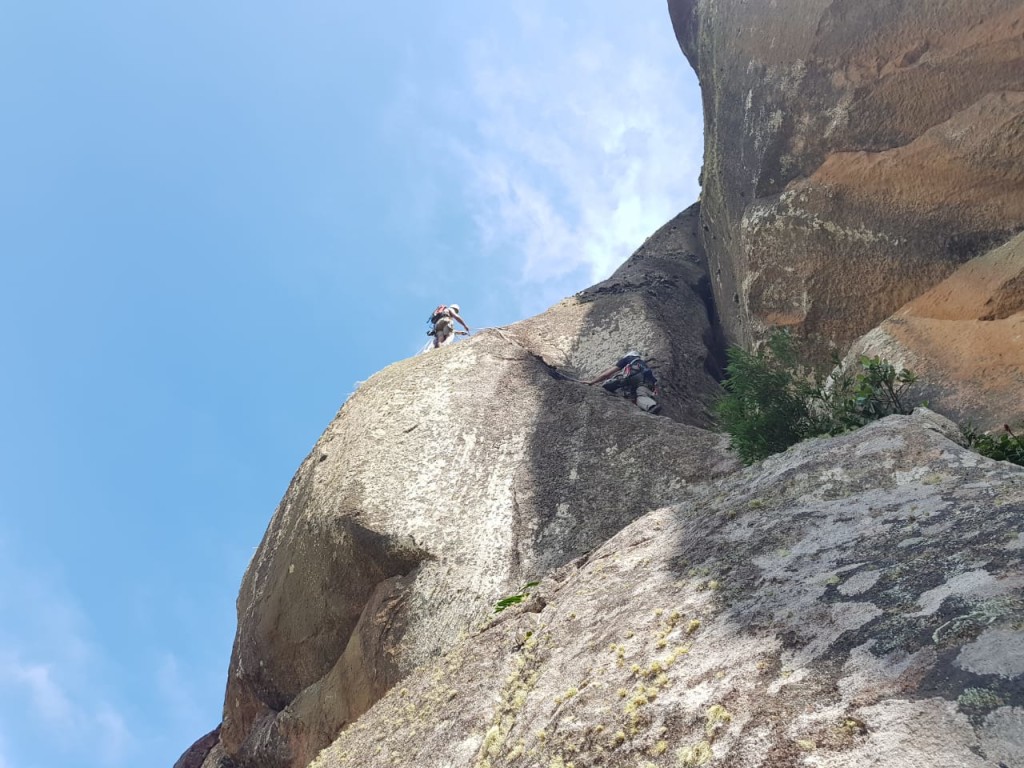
(450, 479)
(965, 340)
(196, 755)
(854, 602)
(857, 152)
(659, 301)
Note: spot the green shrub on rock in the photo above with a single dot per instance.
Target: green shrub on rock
(1006, 446)
(765, 409)
(877, 390)
(773, 402)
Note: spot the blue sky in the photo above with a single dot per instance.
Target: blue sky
(215, 219)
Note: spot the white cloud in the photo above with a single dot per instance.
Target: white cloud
(73, 716)
(114, 737)
(51, 674)
(178, 695)
(586, 144)
(47, 698)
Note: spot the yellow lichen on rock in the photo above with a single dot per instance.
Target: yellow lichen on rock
(697, 755)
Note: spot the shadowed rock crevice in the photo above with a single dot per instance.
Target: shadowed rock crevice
(714, 337)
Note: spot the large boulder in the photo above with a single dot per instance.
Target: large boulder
(964, 339)
(854, 602)
(449, 480)
(856, 153)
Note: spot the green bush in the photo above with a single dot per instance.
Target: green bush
(765, 408)
(773, 402)
(853, 397)
(1006, 446)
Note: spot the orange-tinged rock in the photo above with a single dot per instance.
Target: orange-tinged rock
(857, 153)
(964, 339)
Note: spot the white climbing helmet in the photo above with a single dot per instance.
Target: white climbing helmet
(454, 308)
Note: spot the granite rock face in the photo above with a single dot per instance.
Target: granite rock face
(450, 479)
(196, 755)
(659, 303)
(856, 601)
(964, 338)
(857, 152)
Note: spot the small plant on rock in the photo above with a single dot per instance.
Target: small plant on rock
(878, 389)
(515, 599)
(1005, 446)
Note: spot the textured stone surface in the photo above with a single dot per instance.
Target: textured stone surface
(857, 152)
(849, 603)
(450, 479)
(659, 303)
(196, 755)
(964, 338)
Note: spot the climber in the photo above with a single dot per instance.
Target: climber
(631, 378)
(444, 328)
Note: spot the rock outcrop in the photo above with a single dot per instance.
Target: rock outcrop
(659, 301)
(856, 153)
(450, 479)
(196, 755)
(965, 340)
(854, 602)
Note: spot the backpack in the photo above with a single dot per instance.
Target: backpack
(437, 314)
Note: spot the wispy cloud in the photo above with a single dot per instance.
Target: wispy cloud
(584, 144)
(51, 674)
(113, 735)
(47, 698)
(74, 716)
(177, 692)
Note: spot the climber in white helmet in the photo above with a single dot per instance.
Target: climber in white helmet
(443, 320)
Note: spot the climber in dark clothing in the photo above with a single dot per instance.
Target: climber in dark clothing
(632, 378)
